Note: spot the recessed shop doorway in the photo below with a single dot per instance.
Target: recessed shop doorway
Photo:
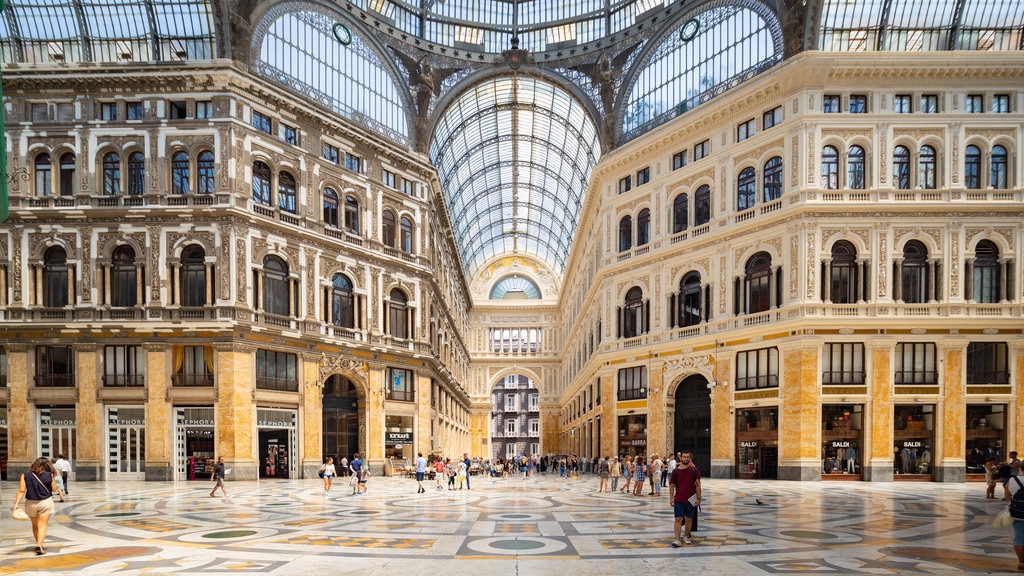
(341, 418)
(693, 421)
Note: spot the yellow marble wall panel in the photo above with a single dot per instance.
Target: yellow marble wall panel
(21, 421)
(312, 412)
(723, 446)
(657, 441)
(800, 431)
(159, 417)
(88, 413)
(954, 409)
(373, 442)
(1016, 438)
(881, 415)
(236, 380)
(421, 441)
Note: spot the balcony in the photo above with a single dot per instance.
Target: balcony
(55, 380)
(192, 379)
(124, 380)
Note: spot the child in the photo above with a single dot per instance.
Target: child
(990, 477)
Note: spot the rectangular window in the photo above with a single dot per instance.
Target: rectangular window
(929, 104)
(745, 130)
(858, 104)
(535, 429)
(511, 428)
(625, 184)
(679, 160)
(65, 112)
(400, 385)
(842, 364)
(974, 104)
(389, 179)
(901, 104)
(196, 367)
(701, 150)
(632, 383)
(55, 366)
(177, 110)
(288, 134)
(511, 404)
(3, 367)
(830, 104)
(534, 402)
(40, 113)
(408, 187)
(123, 366)
(108, 111)
(643, 176)
(204, 109)
(771, 118)
(261, 122)
(915, 363)
(353, 162)
(276, 371)
(331, 153)
(988, 363)
(1001, 103)
(134, 111)
(757, 369)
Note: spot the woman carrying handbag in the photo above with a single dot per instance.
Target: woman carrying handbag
(37, 488)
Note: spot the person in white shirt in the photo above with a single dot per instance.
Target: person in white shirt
(64, 468)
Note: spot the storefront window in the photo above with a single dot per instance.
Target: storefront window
(757, 437)
(986, 435)
(913, 439)
(841, 429)
(633, 435)
(398, 437)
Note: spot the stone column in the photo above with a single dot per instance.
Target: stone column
(89, 439)
(311, 417)
(657, 440)
(371, 420)
(22, 424)
(422, 424)
(159, 414)
(723, 428)
(950, 461)
(879, 444)
(233, 409)
(800, 415)
(1015, 438)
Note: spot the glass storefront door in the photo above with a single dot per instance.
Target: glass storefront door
(126, 443)
(57, 434)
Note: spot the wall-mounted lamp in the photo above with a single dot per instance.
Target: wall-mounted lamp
(918, 400)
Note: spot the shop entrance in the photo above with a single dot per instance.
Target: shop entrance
(57, 434)
(126, 444)
(194, 433)
(341, 419)
(693, 422)
(274, 453)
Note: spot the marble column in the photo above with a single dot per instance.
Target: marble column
(657, 440)
(159, 414)
(879, 444)
(800, 415)
(234, 410)
(723, 429)
(950, 459)
(89, 438)
(22, 424)
(311, 417)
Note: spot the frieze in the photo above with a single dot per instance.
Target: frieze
(687, 183)
(917, 134)
(989, 134)
(108, 240)
(845, 134)
(121, 142)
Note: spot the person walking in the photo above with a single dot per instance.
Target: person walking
(615, 471)
(991, 465)
(355, 467)
(37, 491)
(439, 473)
(657, 471)
(218, 477)
(421, 472)
(604, 469)
(63, 468)
(639, 475)
(469, 466)
(329, 473)
(627, 474)
(684, 493)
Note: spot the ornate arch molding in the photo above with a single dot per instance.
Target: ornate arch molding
(342, 365)
(679, 369)
(534, 377)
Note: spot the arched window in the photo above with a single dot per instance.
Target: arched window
(136, 174)
(387, 228)
(111, 174)
(999, 177)
(914, 279)
(758, 283)
(286, 192)
(702, 205)
(844, 273)
(67, 174)
(204, 172)
(44, 175)
(855, 179)
(643, 227)
(331, 208)
(985, 277)
(690, 301)
(342, 302)
(179, 173)
(901, 167)
(972, 167)
(830, 168)
(927, 167)
(261, 183)
(746, 189)
(193, 276)
(275, 286)
(351, 215)
(625, 233)
(406, 234)
(398, 308)
(123, 277)
(680, 213)
(55, 278)
(773, 179)
(633, 313)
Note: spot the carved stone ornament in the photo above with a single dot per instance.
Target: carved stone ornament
(341, 363)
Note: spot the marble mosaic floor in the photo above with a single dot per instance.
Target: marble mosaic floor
(510, 526)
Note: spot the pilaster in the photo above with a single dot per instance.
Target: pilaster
(159, 416)
(233, 407)
(879, 467)
(800, 420)
(22, 424)
(311, 422)
(88, 415)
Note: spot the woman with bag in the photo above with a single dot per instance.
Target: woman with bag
(327, 472)
(37, 488)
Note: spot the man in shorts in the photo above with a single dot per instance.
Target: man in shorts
(218, 477)
(684, 495)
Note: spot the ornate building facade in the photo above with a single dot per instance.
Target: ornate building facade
(275, 232)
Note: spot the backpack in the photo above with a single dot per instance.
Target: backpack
(1016, 507)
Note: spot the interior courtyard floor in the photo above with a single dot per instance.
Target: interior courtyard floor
(510, 526)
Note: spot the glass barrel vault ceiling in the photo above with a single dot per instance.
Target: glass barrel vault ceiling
(514, 155)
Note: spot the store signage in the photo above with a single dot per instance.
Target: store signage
(399, 437)
(840, 444)
(748, 444)
(911, 444)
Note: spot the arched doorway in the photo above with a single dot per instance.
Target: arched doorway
(341, 418)
(693, 421)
